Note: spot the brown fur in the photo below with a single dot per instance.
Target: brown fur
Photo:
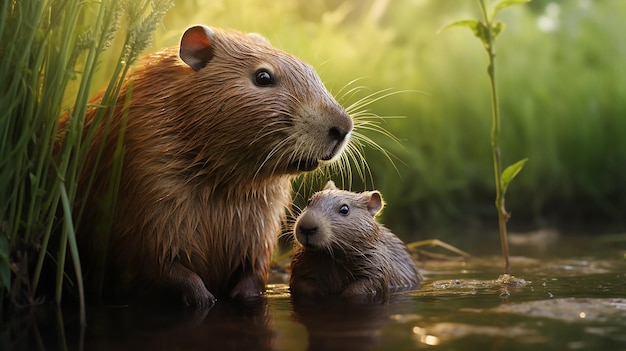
(348, 254)
(208, 160)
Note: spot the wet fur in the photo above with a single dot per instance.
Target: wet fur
(207, 167)
(350, 255)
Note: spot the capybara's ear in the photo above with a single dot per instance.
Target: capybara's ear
(196, 46)
(374, 202)
(330, 186)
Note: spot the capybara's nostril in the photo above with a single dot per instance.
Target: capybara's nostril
(336, 134)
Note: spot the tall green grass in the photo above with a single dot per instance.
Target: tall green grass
(51, 52)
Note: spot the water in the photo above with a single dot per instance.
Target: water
(569, 295)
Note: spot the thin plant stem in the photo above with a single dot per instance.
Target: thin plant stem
(70, 235)
(495, 135)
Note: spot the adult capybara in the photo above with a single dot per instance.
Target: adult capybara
(214, 130)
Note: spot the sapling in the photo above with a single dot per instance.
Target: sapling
(486, 31)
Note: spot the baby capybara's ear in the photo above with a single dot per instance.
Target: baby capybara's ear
(196, 46)
(330, 186)
(374, 202)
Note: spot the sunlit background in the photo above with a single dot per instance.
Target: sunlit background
(562, 84)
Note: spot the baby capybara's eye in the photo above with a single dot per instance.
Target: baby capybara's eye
(344, 210)
(263, 78)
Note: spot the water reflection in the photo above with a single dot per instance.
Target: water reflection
(226, 326)
(339, 324)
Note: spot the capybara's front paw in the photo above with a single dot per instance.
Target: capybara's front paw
(194, 292)
(198, 296)
(248, 287)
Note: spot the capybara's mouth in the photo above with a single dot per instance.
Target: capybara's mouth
(310, 246)
(329, 156)
(304, 165)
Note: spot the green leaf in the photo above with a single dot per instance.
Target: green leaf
(509, 173)
(497, 28)
(477, 27)
(506, 3)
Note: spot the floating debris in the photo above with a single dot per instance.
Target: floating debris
(509, 280)
(504, 280)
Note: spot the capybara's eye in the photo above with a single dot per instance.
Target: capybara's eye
(344, 210)
(263, 78)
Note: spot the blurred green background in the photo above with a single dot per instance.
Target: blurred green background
(561, 71)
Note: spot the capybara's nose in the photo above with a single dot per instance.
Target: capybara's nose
(307, 231)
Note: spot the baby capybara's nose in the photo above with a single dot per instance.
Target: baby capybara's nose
(306, 230)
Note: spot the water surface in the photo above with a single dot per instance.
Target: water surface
(569, 295)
